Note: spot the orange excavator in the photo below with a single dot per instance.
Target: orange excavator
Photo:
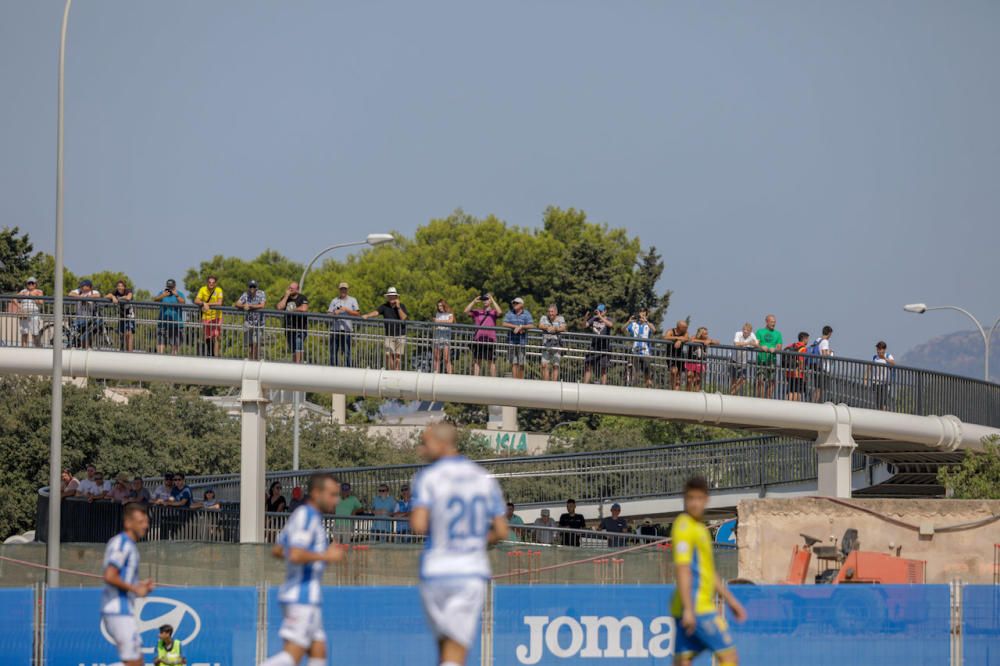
(845, 562)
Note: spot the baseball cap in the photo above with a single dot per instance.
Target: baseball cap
(616, 507)
(86, 283)
(252, 283)
(391, 291)
(545, 512)
(30, 280)
(601, 307)
(171, 283)
(343, 285)
(518, 300)
(345, 486)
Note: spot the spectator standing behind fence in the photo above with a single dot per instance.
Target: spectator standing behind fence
(349, 505)
(600, 326)
(484, 312)
(880, 375)
(615, 524)
(121, 488)
(402, 510)
(210, 297)
(553, 325)
(794, 362)
(162, 492)
(743, 359)
(543, 535)
(513, 520)
(383, 505)
(640, 368)
(275, 501)
(342, 307)
(297, 499)
(394, 315)
(138, 492)
(294, 303)
(122, 297)
(252, 302)
(571, 520)
(824, 366)
(769, 342)
(694, 367)
(180, 495)
(441, 354)
(171, 324)
(29, 320)
(519, 321)
(676, 351)
(87, 322)
(87, 483)
(68, 484)
(99, 489)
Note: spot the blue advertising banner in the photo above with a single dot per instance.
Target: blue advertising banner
(981, 624)
(558, 624)
(370, 625)
(216, 626)
(844, 625)
(17, 627)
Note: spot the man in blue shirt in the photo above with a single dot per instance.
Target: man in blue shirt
(402, 510)
(180, 495)
(171, 324)
(518, 320)
(383, 505)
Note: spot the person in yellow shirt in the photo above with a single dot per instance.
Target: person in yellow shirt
(211, 320)
(693, 605)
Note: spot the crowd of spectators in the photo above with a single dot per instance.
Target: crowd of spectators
(92, 486)
(754, 361)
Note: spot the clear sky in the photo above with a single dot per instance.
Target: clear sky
(827, 161)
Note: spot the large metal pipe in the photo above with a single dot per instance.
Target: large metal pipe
(941, 433)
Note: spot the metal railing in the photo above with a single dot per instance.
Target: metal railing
(428, 347)
(660, 471)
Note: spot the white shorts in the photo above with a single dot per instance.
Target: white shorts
(303, 625)
(30, 325)
(123, 630)
(454, 607)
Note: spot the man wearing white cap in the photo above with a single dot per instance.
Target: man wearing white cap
(29, 322)
(395, 315)
(342, 307)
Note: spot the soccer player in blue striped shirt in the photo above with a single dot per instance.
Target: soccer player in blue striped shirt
(122, 586)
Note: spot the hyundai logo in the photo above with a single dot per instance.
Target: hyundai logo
(153, 612)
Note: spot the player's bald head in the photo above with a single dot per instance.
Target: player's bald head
(439, 440)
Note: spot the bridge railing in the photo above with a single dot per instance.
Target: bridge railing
(751, 462)
(421, 346)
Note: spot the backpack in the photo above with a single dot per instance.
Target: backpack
(813, 354)
(791, 356)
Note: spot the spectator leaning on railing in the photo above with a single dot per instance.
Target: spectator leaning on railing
(29, 320)
(794, 362)
(519, 321)
(640, 368)
(252, 302)
(694, 367)
(341, 307)
(600, 326)
(484, 312)
(180, 495)
(403, 509)
(553, 325)
(138, 492)
(210, 297)
(676, 351)
(275, 501)
(545, 520)
(514, 520)
(121, 296)
(615, 524)
(87, 321)
(769, 342)
(743, 361)
(171, 324)
(571, 520)
(162, 492)
(68, 485)
(441, 354)
(383, 505)
(880, 375)
(295, 305)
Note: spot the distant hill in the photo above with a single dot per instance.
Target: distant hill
(959, 353)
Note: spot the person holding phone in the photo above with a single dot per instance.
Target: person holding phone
(484, 311)
(168, 329)
(600, 326)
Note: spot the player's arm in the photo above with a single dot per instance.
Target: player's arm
(499, 530)
(333, 553)
(420, 520)
(684, 588)
(112, 576)
(739, 613)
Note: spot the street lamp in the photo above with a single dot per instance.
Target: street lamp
(372, 239)
(921, 308)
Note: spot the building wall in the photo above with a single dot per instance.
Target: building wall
(769, 528)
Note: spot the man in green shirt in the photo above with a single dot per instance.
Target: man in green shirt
(512, 520)
(349, 505)
(768, 341)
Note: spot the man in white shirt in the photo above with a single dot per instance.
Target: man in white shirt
(824, 371)
(880, 375)
(639, 327)
(743, 361)
(461, 509)
(553, 325)
(29, 320)
(303, 544)
(342, 307)
(162, 492)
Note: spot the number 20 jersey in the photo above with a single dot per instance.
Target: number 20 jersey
(463, 500)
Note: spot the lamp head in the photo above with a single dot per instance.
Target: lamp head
(916, 308)
(378, 239)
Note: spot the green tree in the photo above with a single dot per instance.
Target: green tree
(272, 271)
(43, 266)
(105, 281)
(15, 259)
(978, 475)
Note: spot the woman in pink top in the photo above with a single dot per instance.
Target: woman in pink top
(484, 312)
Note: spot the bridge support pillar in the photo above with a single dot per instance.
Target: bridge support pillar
(338, 408)
(253, 420)
(834, 450)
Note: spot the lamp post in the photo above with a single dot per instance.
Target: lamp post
(55, 439)
(372, 239)
(921, 308)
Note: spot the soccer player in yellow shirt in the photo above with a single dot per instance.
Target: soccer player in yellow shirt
(693, 605)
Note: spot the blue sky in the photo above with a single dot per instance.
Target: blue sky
(824, 161)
